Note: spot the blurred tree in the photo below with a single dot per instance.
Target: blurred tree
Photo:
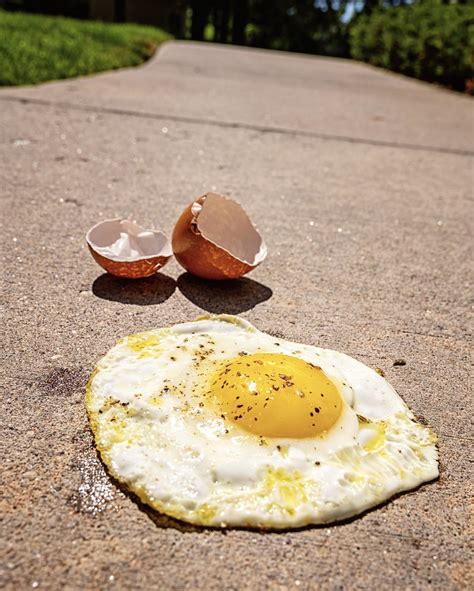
(222, 16)
(299, 25)
(120, 8)
(74, 8)
(240, 10)
(313, 26)
(201, 11)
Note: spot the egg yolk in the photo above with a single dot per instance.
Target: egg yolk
(276, 395)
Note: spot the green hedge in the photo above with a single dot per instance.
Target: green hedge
(427, 40)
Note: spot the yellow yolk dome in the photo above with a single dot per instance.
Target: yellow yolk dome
(276, 395)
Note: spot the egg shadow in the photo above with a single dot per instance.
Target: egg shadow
(231, 297)
(141, 292)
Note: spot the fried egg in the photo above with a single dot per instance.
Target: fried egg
(216, 423)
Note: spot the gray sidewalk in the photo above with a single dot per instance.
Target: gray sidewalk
(360, 182)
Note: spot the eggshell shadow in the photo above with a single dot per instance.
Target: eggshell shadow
(230, 297)
(140, 292)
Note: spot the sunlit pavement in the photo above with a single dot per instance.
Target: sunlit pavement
(360, 181)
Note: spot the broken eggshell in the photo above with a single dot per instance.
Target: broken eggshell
(125, 249)
(215, 239)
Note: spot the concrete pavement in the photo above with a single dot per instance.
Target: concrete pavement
(361, 183)
(346, 100)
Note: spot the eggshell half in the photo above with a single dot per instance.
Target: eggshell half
(215, 239)
(125, 249)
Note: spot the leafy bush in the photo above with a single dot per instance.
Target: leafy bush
(427, 40)
(36, 48)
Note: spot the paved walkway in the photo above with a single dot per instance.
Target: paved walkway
(360, 182)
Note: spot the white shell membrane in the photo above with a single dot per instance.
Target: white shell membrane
(224, 222)
(123, 240)
(188, 462)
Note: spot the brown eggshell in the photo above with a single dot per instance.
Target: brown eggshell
(214, 239)
(130, 270)
(125, 249)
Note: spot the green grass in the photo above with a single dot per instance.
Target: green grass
(35, 48)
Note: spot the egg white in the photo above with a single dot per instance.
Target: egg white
(179, 456)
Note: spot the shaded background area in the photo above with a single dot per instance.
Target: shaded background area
(432, 40)
(310, 26)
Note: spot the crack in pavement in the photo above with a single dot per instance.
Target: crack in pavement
(239, 125)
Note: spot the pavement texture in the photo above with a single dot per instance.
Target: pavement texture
(360, 182)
